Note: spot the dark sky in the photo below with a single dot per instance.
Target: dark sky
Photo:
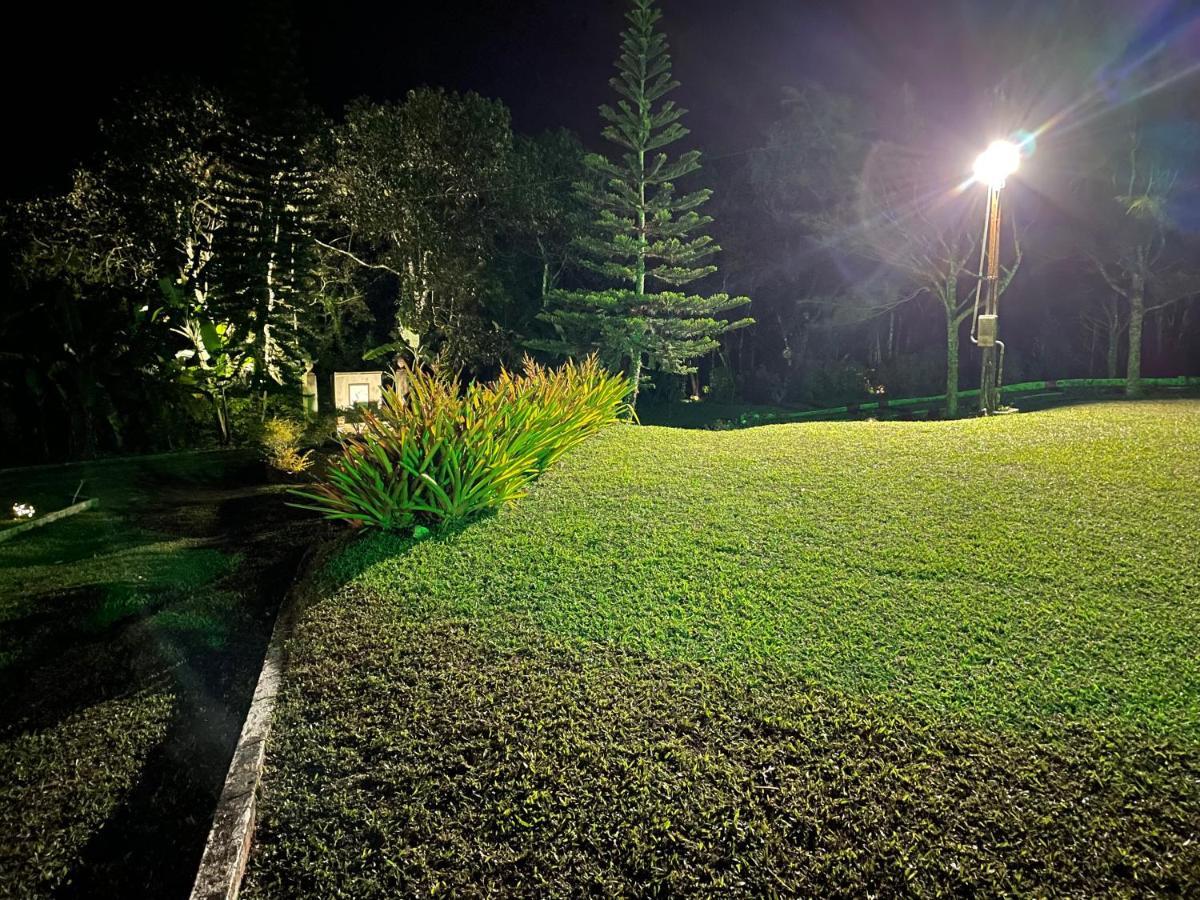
(548, 60)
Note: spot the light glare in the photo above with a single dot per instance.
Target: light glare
(996, 163)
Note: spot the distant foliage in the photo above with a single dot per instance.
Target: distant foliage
(830, 382)
(722, 385)
(920, 375)
(420, 197)
(281, 446)
(439, 454)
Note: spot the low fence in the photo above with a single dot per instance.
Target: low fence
(1024, 387)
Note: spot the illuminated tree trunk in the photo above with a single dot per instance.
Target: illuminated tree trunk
(268, 317)
(951, 365)
(1114, 349)
(1137, 313)
(221, 407)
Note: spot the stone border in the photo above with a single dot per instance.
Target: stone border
(228, 846)
(13, 530)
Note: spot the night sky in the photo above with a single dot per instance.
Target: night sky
(548, 60)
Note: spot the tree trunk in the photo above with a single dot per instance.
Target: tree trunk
(951, 365)
(639, 272)
(1114, 349)
(1137, 313)
(635, 372)
(545, 269)
(222, 413)
(264, 348)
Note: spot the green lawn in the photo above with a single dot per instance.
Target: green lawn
(800, 659)
(129, 635)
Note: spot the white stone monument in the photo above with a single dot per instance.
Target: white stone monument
(351, 389)
(355, 389)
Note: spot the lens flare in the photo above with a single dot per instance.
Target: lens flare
(996, 163)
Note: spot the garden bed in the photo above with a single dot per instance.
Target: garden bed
(805, 659)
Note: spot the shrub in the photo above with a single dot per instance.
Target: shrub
(321, 429)
(280, 440)
(764, 386)
(829, 382)
(440, 454)
(669, 388)
(722, 387)
(248, 414)
(913, 375)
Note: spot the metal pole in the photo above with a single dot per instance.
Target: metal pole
(989, 393)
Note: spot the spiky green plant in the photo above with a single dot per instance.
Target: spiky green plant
(438, 454)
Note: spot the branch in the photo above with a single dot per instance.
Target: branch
(1011, 272)
(1173, 300)
(1112, 283)
(362, 262)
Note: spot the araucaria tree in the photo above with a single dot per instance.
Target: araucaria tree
(646, 236)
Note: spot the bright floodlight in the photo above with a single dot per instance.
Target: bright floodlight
(996, 163)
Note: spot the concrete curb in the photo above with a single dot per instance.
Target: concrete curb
(228, 846)
(13, 530)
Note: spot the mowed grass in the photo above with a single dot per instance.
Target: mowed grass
(827, 658)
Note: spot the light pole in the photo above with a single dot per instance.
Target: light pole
(992, 167)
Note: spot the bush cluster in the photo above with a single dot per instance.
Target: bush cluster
(439, 454)
(281, 438)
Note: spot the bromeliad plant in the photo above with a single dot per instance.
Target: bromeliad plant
(439, 454)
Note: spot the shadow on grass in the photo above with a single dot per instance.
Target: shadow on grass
(155, 838)
(75, 656)
(358, 550)
(172, 585)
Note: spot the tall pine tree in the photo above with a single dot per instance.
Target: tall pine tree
(646, 235)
